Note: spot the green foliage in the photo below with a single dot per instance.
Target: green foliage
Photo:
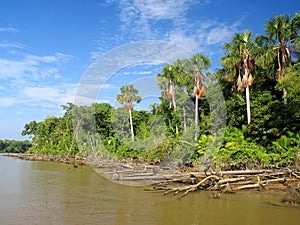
(238, 148)
(170, 130)
(164, 148)
(285, 148)
(12, 146)
(291, 81)
(53, 136)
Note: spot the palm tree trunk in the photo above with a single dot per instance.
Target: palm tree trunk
(196, 117)
(174, 105)
(284, 96)
(184, 119)
(248, 104)
(131, 125)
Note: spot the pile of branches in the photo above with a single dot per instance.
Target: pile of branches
(230, 181)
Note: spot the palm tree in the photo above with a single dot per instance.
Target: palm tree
(183, 81)
(128, 97)
(282, 32)
(167, 82)
(240, 63)
(198, 63)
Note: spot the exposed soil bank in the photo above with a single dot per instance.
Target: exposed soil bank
(76, 161)
(187, 180)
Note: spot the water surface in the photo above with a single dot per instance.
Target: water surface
(53, 193)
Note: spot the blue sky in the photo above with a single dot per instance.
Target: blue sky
(47, 46)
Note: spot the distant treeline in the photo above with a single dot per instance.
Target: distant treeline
(12, 146)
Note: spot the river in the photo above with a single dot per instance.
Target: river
(45, 193)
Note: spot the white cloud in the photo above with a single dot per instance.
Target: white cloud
(180, 38)
(25, 68)
(32, 79)
(31, 66)
(8, 101)
(138, 16)
(56, 58)
(220, 34)
(8, 29)
(170, 20)
(48, 96)
(11, 45)
(160, 9)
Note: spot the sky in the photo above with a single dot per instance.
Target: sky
(48, 47)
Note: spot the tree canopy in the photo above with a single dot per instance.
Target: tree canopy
(266, 134)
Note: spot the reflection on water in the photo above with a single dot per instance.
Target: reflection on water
(51, 193)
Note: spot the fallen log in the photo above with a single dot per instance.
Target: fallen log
(248, 186)
(190, 188)
(244, 172)
(230, 180)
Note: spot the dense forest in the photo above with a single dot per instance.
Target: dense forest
(12, 146)
(248, 111)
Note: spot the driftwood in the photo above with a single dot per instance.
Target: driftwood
(230, 182)
(193, 187)
(171, 180)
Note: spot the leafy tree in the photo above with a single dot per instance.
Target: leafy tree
(166, 133)
(184, 82)
(13, 146)
(30, 129)
(103, 113)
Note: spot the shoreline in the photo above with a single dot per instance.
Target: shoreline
(169, 180)
(76, 161)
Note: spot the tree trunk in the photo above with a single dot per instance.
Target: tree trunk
(173, 101)
(248, 104)
(131, 125)
(175, 108)
(184, 119)
(196, 117)
(174, 105)
(284, 96)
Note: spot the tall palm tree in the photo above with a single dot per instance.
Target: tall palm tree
(198, 63)
(183, 81)
(167, 82)
(282, 32)
(128, 97)
(240, 63)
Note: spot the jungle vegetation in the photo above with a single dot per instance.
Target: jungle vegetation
(260, 85)
(13, 146)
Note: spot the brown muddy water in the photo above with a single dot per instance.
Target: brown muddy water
(45, 193)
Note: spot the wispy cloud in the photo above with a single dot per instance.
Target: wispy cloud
(15, 45)
(32, 66)
(33, 80)
(7, 101)
(48, 96)
(8, 29)
(56, 58)
(139, 17)
(51, 97)
(220, 34)
(170, 20)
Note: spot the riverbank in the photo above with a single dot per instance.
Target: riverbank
(185, 180)
(75, 161)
